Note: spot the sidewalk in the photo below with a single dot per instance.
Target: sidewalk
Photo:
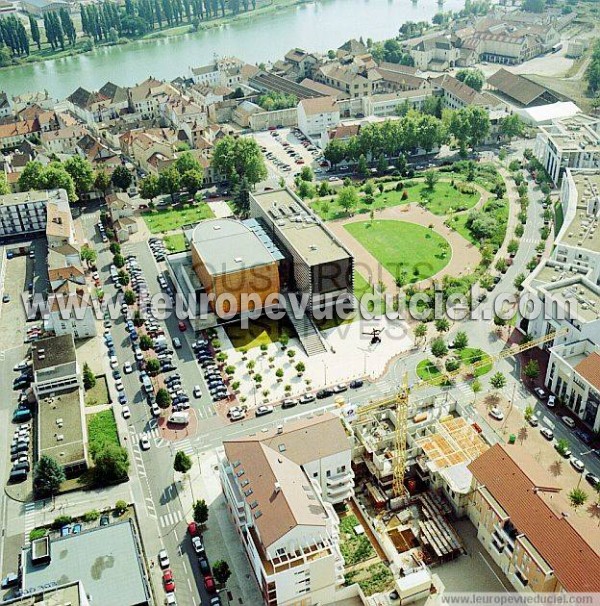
(220, 537)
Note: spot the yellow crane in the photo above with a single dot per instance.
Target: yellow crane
(400, 400)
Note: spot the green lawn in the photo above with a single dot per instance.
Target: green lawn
(459, 223)
(98, 394)
(439, 201)
(404, 249)
(102, 430)
(175, 243)
(426, 369)
(159, 221)
(355, 548)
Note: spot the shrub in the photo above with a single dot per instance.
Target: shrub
(61, 521)
(91, 516)
(121, 507)
(37, 533)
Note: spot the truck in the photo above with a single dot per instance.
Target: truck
(180, 418)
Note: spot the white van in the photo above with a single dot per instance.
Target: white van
(180, 418)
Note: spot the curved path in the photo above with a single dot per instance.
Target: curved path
(465, 256)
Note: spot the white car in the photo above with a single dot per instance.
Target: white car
(197, 391)
(577, 464)
(540, 393)
(551, 402)
(237, 415)
(137, 352)
(163, 559)
(127, 368)
(155, 409)
(119, 384)
(144, 442)
(264, 410)
(197, 545)
(114, 362)
(568, 421)
(497, 414)
(547, 433)
(126, 412)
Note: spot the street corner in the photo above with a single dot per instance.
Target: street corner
(177, 431)
(21, 493)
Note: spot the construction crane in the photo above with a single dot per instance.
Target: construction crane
(400, 400)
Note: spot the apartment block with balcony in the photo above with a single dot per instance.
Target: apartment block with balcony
(572, 142)
(522, 520)
(23, 213)
(279, 488)
(573, 374)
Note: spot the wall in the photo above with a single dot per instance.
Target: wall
(264, 120)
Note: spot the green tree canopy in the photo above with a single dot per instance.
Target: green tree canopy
(48, 475)
(81, 172)
(182, 462)
(111, 464)
(471, 77)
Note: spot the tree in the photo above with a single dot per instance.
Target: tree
(48, 475)
(182, 463)
(150, 187)
(102, 181)
(577, 498)
(121, 507)
(498, 381)
(532, 369)
(152, 366)
(528, 412)
(562, 447)
(306, 174)
(35, 31)
(471, 77)
(442, 325)
(200, 512)
(476, 387)
(461, 340)
(431, 178)
(129, 297)
(169, 181)
(163, 399)
(186, 161)
(4, 188)
(89, 379)
(511, 126)
(82, 173)
(438, 348)
(348, 198)
(362, 168)
(89, 255)
(300, 367)
(192, 180)
(518, 282)
(145, 342)
(111, 464)
(284, 339)
(421, 330)
(121, 177)
(221, 571)
(534, 6)
(239, 158)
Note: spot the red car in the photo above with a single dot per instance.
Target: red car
(168, 582)
(182, 326)
(193, 529)
(209, 584)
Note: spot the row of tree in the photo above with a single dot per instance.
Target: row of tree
(185, 173)
(592, 72)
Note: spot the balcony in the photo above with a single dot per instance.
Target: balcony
(340, 478)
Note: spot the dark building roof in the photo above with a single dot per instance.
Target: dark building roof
(270, 82)
(521, 89)
(56, 351)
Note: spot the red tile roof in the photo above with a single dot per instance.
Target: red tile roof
(589, 369)
(575, 564)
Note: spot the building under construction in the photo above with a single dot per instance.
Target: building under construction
(439, 446)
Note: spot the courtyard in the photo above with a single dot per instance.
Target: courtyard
(161, 221)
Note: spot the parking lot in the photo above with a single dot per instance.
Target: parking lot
(287, 151)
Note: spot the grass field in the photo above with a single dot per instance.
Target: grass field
(98, 394)
(102, 430)
(355, 548)
(159, 221)
(439, 201)
(175, 243)
(403, 248)
(426, 369)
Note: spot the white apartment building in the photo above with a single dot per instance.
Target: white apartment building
(573, 374)
(572, 142)
(5, 105)
(317, 115)
(279, 488)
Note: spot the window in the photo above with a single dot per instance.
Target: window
(316, 474)
(341, 469)
(328, 473)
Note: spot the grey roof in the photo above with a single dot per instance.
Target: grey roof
(44, 3)
(228, 246)
(57, 350)
(106, 559)
(299, 228)
(518, 87)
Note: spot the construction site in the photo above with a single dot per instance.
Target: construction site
(412, 482)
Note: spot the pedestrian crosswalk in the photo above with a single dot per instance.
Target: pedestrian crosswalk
(170, 519)
(465, 391)
(185, 446)
(29, 520)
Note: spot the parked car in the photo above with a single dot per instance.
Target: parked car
(540, 393)
(209, 584)
(340, 388)
(192, 529)
(307, 398)
(197, 544)
(144, 442)
(263, 410)
(592, 479)
(547, 433)
(577, 464)
(324, 393)
(356, 383)
(182, 326)
(126, 412)
(496, 413)
(163, 559)
(204, 565)
(289, 403)
(533, 421)
(551, 402)
(568, 421)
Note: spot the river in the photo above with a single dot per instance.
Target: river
(316, 26)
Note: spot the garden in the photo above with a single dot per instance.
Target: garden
(102, 431)
(429, 369)
(393, 243)
(160, 221)
(98, 394)
(372, 579)
(355, 548)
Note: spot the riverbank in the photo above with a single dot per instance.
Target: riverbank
(86, 45)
